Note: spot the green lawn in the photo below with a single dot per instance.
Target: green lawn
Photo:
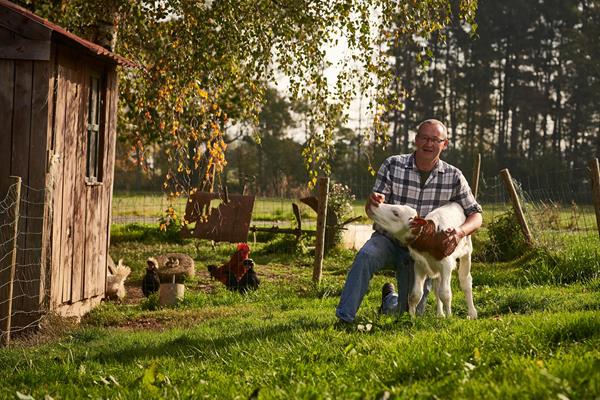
(538, 335)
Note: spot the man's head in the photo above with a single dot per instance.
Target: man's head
(431, 140)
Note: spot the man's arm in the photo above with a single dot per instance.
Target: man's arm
(454, 235)
(471, 224)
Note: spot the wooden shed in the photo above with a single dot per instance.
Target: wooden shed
(58, 107)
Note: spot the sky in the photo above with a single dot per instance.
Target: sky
(359, 117)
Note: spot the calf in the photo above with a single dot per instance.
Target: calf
(424, 240)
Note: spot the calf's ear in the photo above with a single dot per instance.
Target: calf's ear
(418, 221)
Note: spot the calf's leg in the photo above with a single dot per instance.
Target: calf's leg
(466, 282)
(417, 290)
(444, 289)
(438, 301)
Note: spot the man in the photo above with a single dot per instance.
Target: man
(420, 180)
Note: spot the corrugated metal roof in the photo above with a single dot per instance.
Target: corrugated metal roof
(63, 33)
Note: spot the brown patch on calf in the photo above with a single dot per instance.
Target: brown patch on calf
(429, 240)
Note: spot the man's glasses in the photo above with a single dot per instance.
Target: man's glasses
(433, 140)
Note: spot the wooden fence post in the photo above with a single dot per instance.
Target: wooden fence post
(595, 174)
(323, 194)
(13, 265)
(476, 170)
(505, 174)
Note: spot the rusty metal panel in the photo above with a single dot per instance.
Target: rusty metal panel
(226, 222)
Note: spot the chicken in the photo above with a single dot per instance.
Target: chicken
(115, 281)
(237, 274)
(151, 281)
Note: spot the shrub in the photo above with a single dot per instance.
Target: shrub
(170, 224)
(506, 239)
(151, 303)
(339, 208)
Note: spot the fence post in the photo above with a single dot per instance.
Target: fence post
(595, 174)
(13, 264)
(323, 194)
(476, 170)
(505, 174)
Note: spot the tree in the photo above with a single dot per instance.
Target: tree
(524, 89)
(203, 65)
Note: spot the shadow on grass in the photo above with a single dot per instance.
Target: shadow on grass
(186, 343)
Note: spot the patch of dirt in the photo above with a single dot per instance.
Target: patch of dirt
(204, 284)
(134, 294)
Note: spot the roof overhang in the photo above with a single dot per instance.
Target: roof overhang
(37, 34)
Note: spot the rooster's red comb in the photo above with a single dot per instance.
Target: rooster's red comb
(243, 247)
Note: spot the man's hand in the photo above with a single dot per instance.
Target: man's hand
(374, 200)
(453, 237)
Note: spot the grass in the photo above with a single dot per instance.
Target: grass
(537, 336)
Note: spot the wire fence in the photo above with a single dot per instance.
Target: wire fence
(149, 208)
(556, 211)
(553, 206)
(22, 298)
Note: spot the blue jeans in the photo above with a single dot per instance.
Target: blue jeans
(378, 253)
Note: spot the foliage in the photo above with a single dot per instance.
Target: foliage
(340, 201)
(523, 88)
(339, 208)
(151, 303)
(170, 223)
(506, 241)
(204, 65)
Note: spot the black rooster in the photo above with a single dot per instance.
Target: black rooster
(151, 282)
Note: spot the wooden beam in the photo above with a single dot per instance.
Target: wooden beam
(476, 170)
(25, 49)
(23, 26)
(510, 188)
(323, 193)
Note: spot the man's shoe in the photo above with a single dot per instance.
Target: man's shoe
(341, 325)
(386, 290)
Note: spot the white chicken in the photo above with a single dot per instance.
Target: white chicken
(115, 280)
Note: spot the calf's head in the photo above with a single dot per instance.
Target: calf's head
(394, 219)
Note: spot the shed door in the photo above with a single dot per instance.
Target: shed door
(81, 199)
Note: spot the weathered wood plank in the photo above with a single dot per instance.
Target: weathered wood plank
(6, 35)
(37, 180)
(70, 143)
(7, 69)
(25, 49)
(79, 308)
(24, 26)
(21, 118)
(7, 83)
(79, 196)
(92, 256)
(110, 138)
(46, 254)
(20, 167)
(56, 173)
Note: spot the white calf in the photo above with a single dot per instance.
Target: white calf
(424, 242)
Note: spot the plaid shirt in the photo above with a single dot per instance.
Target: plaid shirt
(399, 181)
